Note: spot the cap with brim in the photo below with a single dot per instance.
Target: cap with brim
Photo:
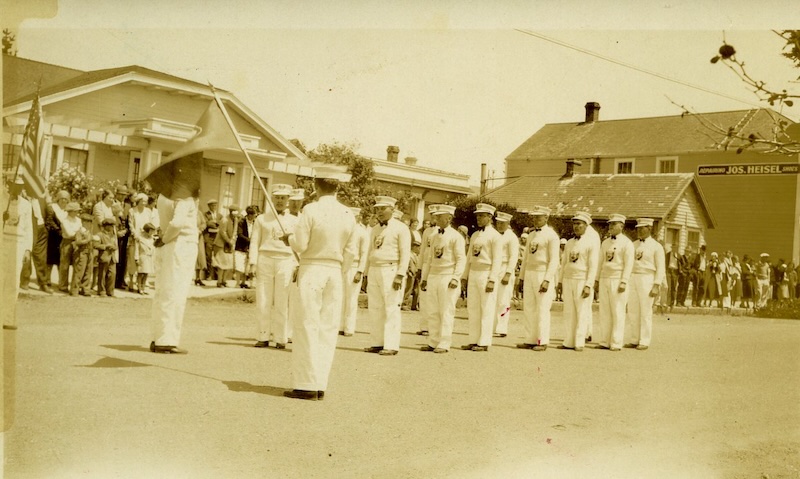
(432, 208)
(72, 206)
(148, 227)
(397, 214)
(485, 208)
(616, 218)
(444, 209)
(415, 243)
(382, 201)
(583, 216)
(540, 211)
(298, 194)
(644, 222)
(122, 190)
(505, 217)
(281, 189)
(764, 255)
(233, 207)
(212, 201)
(109, 222)
(562, 241)
(331, 172)
(62, 195)
(140, 197)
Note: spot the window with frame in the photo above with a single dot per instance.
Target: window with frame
(257, 196)
(74, 158)
(673, 238)
(10, 156)
(623, 167)
(667, 165)
(693, 240)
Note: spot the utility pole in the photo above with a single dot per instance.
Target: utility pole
(483, 179)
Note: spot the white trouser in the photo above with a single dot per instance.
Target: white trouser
(442, 305)
(536, 307)
(576, 311)
(174, 268)
(384, 307)
(295, 308)
(640, 309)
(612, 313)
(504, 292)
(273, 280)
(316, 327)
(762, 294)
(350, 303)
(481, 307)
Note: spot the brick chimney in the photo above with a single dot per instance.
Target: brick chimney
(592, 112)
(411, 160)
(571, 164)
(391, 153)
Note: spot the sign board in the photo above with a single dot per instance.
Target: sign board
(749, 169)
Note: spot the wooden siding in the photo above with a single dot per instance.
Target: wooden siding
(687, 215)
(110, 164)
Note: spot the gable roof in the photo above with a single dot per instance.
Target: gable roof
(21, 76)
(652, 195)
(665, 135)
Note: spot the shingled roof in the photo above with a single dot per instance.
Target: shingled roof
(22, 76)
(665, 135)
(635, 195)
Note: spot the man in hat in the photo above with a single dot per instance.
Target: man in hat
(353, 274)
(274, 264)
(121, 192)
(441, 272)
(425, 244)
(17, 230)
(224, 245)
(480, 278)
(387, 264)
(648, 274)
(538, 276)
(616, 265)
(101, 211)
(764, 273)
(325, 240)
(508, 265)
(106, 258)
(213, 219)
(577, 276)
(296, 199)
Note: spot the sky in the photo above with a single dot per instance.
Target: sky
(454, 84)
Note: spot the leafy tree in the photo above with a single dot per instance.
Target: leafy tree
(785, 138)
(8, 43)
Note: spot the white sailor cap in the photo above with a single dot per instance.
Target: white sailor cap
(397, 214)
(583, 216)
(616, 218)
(281, 189)
(501, 216)
(485, 208)
(644, 222)
(442, 209)
(331, 172)
(381, 201)
(540, 211)
(297, 194)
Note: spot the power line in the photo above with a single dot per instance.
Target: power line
(634, 67)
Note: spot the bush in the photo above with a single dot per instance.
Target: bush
(785, 309)
(68, 178)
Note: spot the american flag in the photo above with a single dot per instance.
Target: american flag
(29, 167)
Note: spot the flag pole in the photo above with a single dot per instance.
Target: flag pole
(249, 160)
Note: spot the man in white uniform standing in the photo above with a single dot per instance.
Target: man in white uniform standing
(538, 276)
(325, 240)
(387, 263)
(508, 265)
(440, 278)
(481, 277)
(274, 264)
(578, 272)
(425, 244)
(648, 274)
(616, 264)
(353, 276)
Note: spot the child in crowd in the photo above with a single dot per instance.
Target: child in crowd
(107, 252)
(145, 249)
(81, 253)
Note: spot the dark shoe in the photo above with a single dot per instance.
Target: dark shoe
(198, 282)
(221, 285)
(280, 346)
(600, 346)
(641, 347)
(500, 335)
(468, 347)
(244, 286)
(613, 349)
(525, 346)
(166, 349)
(426, 348)
(480, 348)
(46, 289)
(422, 333)
(540, 347)
(261, 344)
(320, 395)
(388, 352)
(300, 394)
(373, 349)
(630, 346)
(440, 351)
(589, 339)
(84, 293)
(561, 346)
